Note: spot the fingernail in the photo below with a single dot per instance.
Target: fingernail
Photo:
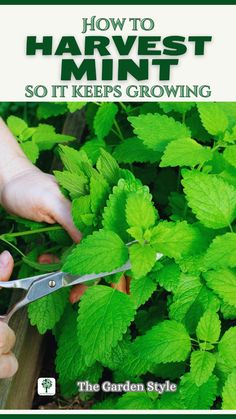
(5, 258)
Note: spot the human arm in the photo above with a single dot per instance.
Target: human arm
(8, 362)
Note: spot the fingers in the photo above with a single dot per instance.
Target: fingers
(77, 292)
(7, 338)
(121, 285)
(62, 214)
(47, 258)
(6, 265)
(8, 365)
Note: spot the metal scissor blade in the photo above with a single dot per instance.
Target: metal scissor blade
(69, 280)
(24, 283)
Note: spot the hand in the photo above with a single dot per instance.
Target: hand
(8, 362)
(32, 194)
(78, 290)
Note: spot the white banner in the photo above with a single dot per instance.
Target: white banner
(206, 77)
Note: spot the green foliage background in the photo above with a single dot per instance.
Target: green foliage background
(161, 176)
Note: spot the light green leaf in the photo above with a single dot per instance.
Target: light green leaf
(169, 276)
(229, 392)
(46, 138)
(82, 214)
(93, 149)
(223, 283)
(134, 401)
(230, 154)
(45, 312)
(104, 119)
(103, 251)
(168, 341)
(141, 289)
(75, 106)
(108, 167)
(202, 366)
(99, 190)
(174, 239)
(75, 184)
(114, 217)
(133, 150)
(212, 200)
(104, 315)
(227, 347)
(75, 161)
(228, 311)
(31, 150)
(180, 107)
(208, 328)
(140, 211)
(185, 152)
(169, 401)
(47, 109)
(156, 131)
(213, 117)
(16, 125)
(142, 258)
(222, 252)
(195, 397)
(190, 300)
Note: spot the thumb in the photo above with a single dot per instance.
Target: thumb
(62, 215)
(6, 265)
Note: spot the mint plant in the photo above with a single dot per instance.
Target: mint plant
(145, 179)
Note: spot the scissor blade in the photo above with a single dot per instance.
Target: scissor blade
(69, 280)
(23, 283)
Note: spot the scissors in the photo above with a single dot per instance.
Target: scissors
(41, 285)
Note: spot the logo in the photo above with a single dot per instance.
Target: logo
(46, 386)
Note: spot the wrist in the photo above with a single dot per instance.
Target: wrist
(12, 168)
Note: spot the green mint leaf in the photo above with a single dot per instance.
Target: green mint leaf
(223, 283)
(16, 125)
(114, 216)
(208, 328)
(75, 161)
(103, 251)
(134, 401)
(227, 347)
(168, 341)
(140, 211)
(99, 191)
(169, 276)
(222, 252)
(104, 119)
(82, 214)
(202, 365)
(46, 138)
(189, 301)
(185, 152)
(133, 150)
(195, 397)
(108, 167)
(31, 150)
(156, 131)
(229, 392)
(169, 401)
(230, 154)
(142, 258)
(141, 289)
(228, 311)
(180, 107)
(75, 184)
(104, 315)
(47, 109)
(47, 311)
(213, 117)
(204, 195)
(75, 106)
(93, 149)
(174, 239)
